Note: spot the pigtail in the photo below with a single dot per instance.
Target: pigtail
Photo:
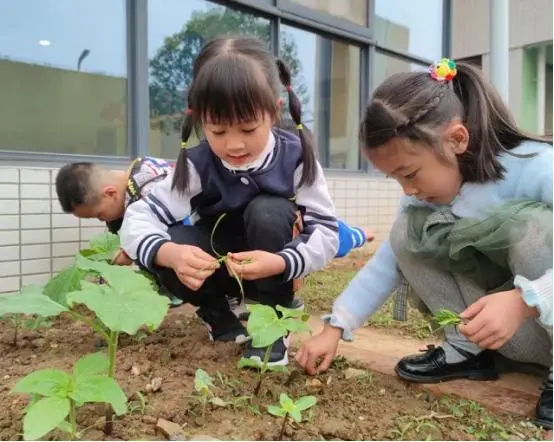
(306, 139)
(181, 175)
(490, 123)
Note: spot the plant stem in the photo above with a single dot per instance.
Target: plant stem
(263, 369)
(284, 427)
(73, 419)
(112, 350)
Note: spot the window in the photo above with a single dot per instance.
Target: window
(326, 78)
(63, 77)
(174, 41)
(402, 26)
(352, 10)
(385, 66)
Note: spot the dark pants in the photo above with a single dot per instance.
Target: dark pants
(265, 224)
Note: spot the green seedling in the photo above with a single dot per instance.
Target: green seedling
(289, 408)
(445, 317)
(265, 327)
(203, 384)
(21, 322)
(102, 247)
(124, 303)
(56, 395)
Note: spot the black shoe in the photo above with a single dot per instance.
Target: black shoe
(431, 366)
(279, 353)
(223, 325)
(296, 304)
(543, 411)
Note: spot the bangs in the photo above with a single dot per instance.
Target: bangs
(232, 90)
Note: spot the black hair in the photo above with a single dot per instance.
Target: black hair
(413, 105)
(74, 185)
(234, 78)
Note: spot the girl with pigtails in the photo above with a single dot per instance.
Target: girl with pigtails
(245, 184)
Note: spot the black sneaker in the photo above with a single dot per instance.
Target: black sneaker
(279, 353)
(223, 325)
(431, 366)
(237, 306)
(543, 411)
(296, 304)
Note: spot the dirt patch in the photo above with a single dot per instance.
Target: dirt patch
(365, 407)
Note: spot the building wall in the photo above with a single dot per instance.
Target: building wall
(37, 239)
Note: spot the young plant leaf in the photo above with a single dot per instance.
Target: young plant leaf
(66, 281)
(100, 388)
(47, 382)
(122, 312)
(45, 415)
(30, 301)
(305, 402)
(202, 381)
(106, 242)
(296, 415)
(248, 363)
(65, 427)
(276, 411)
(217, 401)
(445, 317)
(292, 313)
(286, 402)
(89, 365)
(264, 326)
(277, 368)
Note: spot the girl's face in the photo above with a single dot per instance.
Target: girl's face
(419, 169)
(239, 144)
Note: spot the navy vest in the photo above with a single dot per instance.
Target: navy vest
(224, 190)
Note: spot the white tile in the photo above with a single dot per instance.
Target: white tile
(9, 284)
(35, 266)
(33, 176)
(65, 235)
(54, 173)
(56, 207)
(36, 279)
(35, 222)
(9, 237)
(35, 251)
(60, 263)
(10, 268)
(9, 207)
(64, 220)
(90, 232)
(9, 191)
(92, 222)
(9, 222)
(35, 236)
(65, 249)
(9, 175)
(9, 253)
(34, 191)
(35, 206)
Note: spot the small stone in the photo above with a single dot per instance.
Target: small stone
(171, 430)
(54, 345)
(382, 392)
(350, 373)
(135, 370)
(33, 356)
(329, 379)
(150, 420)
(156, 384)
(39, 342)
(361, 418)
(314, 385)
(6, 377)
(203, 437)
(148, 388)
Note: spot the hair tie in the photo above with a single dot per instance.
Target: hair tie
(300, 126)
(444, 70)
(288, 88)
(183, 144)
(188, 111)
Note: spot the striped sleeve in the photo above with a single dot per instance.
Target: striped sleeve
(145, 225)
(318, 243)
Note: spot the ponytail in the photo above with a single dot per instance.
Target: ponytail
(306, 139)
(491, 126)
(181, 175)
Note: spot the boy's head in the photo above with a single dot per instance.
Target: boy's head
(88, 190)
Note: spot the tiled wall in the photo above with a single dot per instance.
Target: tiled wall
(37, 239)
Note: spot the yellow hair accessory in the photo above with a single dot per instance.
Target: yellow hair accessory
(183, 144)
(300, 126)
(444, 70)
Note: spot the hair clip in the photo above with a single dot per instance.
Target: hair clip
(300, 126)
(288, 88)
(183, 144)
(188, 111)
(444, 70)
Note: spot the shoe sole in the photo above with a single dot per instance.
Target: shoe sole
(471, 375)
(241, 339)
(546, 425)
(283, 362)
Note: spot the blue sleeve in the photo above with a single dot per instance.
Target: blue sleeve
(345, 240)
(535, 178)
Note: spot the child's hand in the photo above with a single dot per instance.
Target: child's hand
(255, 264)
(494, 319)
(191, 264)
(121, 258)
(324, 345)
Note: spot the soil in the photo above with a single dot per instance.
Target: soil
(370, 407)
